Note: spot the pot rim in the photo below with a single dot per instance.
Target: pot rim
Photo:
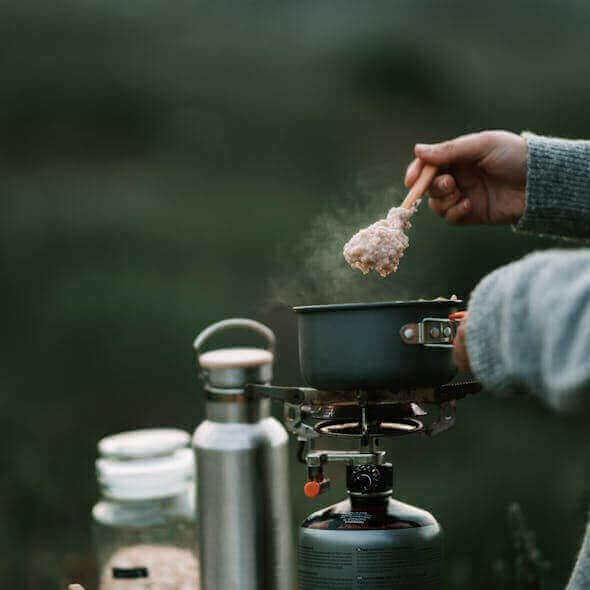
(377, 305)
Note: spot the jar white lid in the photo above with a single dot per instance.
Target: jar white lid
(148, 442)
(145, 464)
(146, 478)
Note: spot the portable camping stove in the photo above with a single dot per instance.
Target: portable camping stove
(361, 416)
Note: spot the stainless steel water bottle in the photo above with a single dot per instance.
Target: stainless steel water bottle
(244, 524)
(370, 540)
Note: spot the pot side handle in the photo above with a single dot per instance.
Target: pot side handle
(430, 332)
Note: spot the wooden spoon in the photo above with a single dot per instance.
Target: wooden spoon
(422, 183)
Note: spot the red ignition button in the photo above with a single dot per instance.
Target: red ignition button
(312, 489)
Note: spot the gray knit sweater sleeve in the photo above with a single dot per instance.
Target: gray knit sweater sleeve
(529, 328)
(558, 187)
(529, 322)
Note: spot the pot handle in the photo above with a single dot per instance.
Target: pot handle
(430, 332)
(234, 323)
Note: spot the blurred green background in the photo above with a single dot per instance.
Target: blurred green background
(163, 162)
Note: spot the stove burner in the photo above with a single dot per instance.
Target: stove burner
(353, 429)
(375, 412)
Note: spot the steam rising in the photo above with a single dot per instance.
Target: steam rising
(313, 270)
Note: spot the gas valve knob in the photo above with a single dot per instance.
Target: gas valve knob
(363, 482)
(365, 479)
(369, 479)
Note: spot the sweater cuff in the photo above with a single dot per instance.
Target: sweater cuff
(557, 187)
(486, 306)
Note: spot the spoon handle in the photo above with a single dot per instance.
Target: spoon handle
(426, 177)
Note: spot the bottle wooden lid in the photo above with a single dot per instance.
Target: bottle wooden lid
(233, 358)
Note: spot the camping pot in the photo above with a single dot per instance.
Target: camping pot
(390, 345)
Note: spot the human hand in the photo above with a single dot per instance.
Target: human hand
(460, 355)
(482, 177)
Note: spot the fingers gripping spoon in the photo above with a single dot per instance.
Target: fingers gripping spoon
(380, 246)
(420, 186)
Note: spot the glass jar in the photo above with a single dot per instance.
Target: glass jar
(144, 522)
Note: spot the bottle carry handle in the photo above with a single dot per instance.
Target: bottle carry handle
(230, 323)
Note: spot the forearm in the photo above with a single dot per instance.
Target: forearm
(557, 187)
(529, 328)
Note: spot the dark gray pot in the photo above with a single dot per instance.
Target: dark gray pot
(359, 346)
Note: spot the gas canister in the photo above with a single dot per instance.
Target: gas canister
(370, 540)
